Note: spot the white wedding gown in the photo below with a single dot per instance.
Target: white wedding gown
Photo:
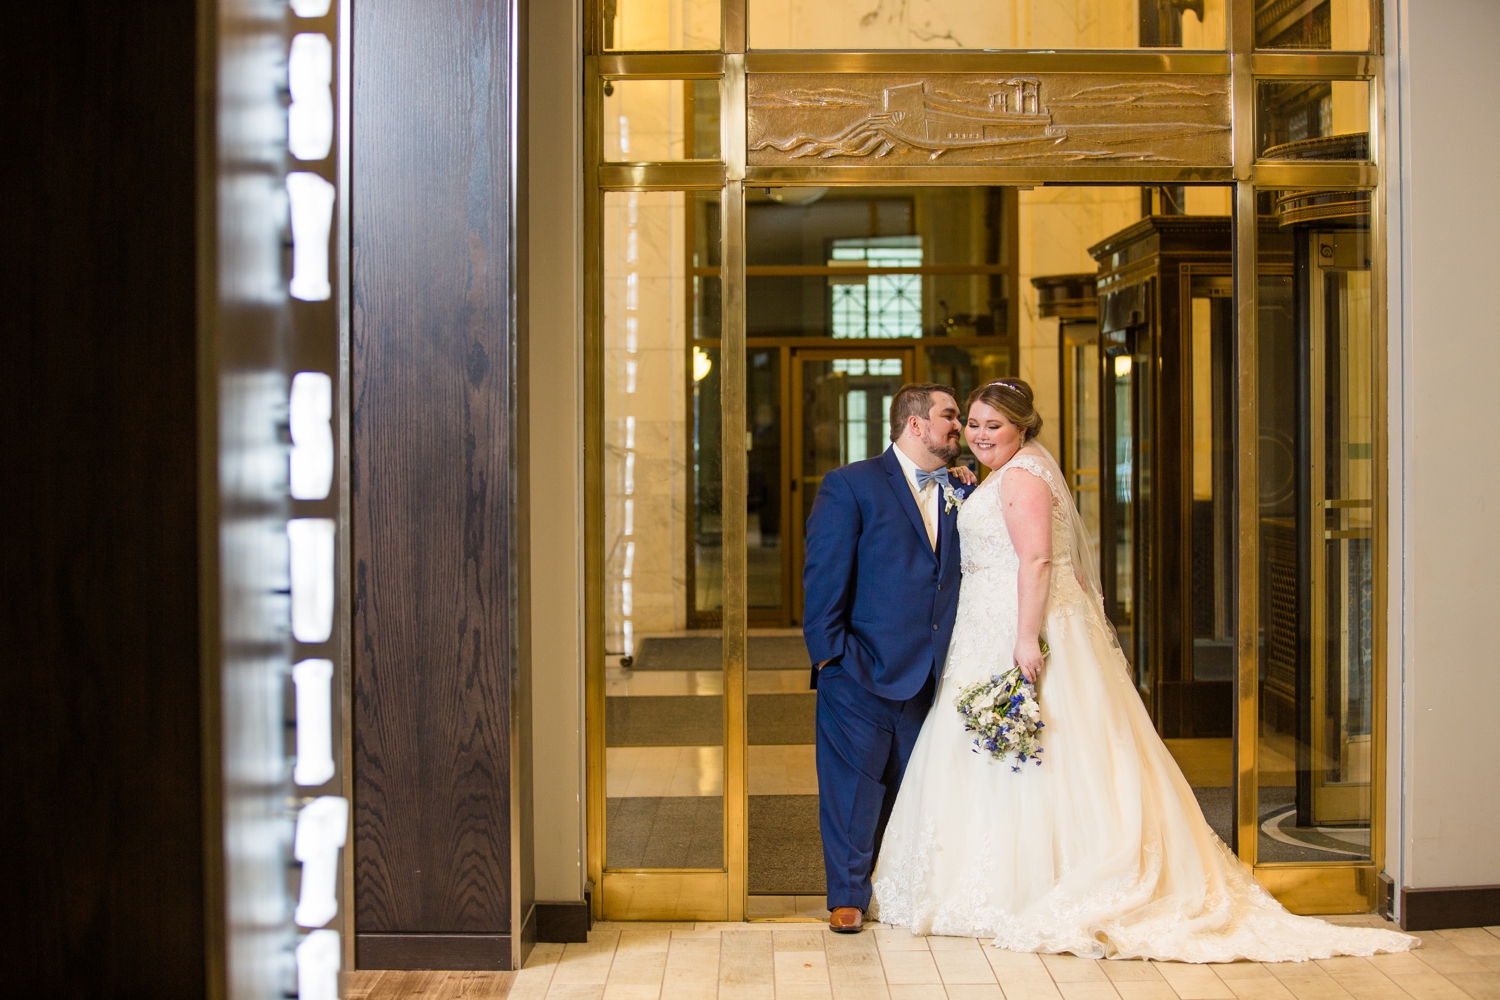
(1102, 849)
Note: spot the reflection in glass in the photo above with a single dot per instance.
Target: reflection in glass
(763, 502)
(660, 25)
(1339, 25)
(1211, 350)
(648, 121)
(1312, 119)
(987, 24)
(856, 263)
(1317, 529)
(1080, 380)
(662, 543)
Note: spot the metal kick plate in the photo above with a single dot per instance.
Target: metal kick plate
(978, 119)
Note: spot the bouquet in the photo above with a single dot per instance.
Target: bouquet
(1003, 711)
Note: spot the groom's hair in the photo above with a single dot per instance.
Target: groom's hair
(914, 400)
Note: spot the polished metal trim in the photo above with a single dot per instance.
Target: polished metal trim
(660, 65)
(732, 115)
(1333, 176)
(663, 895)
(1144, 61)
(593, 483)
(688, 175)
(1321, 888)
(734, 26)
(1314, 66)
(1247, 506)
(732, 361)
(935, 176)
(1380, 487)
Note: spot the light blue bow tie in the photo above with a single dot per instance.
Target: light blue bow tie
(924, 477)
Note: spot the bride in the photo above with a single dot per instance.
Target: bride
(1102, 850)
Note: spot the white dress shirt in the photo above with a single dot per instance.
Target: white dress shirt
(926, 497)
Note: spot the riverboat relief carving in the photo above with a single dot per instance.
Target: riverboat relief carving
(988, 119)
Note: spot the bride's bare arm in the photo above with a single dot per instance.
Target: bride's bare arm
(1027, 503)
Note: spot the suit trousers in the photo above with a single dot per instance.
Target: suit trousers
(863, 744)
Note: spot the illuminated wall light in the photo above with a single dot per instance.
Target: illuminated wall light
(702, 364)
(311, 8)
(1122, 365)
(310, 80)
(312, 220)
(310, 412)
(318, 962)
(314, 682)
(312, 562)
(322, 828)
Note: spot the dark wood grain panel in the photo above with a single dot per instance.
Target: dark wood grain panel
(102, 874)
(432, 378)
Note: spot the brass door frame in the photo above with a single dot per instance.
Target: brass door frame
(793, 467)
(1323, 888)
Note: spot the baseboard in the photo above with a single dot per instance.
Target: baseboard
(1460, 906)
(565, 922)
(447, 952)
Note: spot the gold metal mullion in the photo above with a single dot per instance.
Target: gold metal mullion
(732, 399)
(1247, 431)
(660, 65)
(1380, 445)
(1145, 62)
(593, 484)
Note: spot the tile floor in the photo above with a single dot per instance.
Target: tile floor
(788, 961)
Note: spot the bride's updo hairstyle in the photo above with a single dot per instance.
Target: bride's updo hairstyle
(1012, 397)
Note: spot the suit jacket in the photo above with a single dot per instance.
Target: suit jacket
(879, 601)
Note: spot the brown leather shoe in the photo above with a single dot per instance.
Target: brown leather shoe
(846, 920)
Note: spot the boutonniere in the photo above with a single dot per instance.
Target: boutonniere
(954, 499)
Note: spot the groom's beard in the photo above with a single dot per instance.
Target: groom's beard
(947, 449)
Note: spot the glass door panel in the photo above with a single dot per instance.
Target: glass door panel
(1315, 752)
(663, 554)
(1125, 521)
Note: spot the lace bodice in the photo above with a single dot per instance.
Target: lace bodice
(988, 602)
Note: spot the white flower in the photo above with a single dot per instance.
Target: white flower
(953, 500)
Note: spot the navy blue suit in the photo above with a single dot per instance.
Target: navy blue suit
(880, 605)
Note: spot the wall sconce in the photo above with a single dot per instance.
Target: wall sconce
(310, 79)
(312, 220)
(702, 364)
(1122, 365)
(314, 680)
(318, 963)
(312, 560)
(310, 412)
(322, 828)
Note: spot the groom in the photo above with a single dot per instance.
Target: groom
(881, 579)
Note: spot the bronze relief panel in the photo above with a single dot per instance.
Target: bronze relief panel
(976, 119)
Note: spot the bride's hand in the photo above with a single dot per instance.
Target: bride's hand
(1028, 657)
(963, 474)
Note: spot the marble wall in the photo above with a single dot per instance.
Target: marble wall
(646, 288)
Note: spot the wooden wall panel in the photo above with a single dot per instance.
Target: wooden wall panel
(103, 874)
(433, 460)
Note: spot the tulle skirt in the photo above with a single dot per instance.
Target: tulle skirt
(1101, 850)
